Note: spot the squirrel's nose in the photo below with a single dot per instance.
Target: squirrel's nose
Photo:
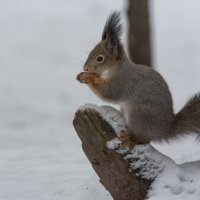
(85, 68)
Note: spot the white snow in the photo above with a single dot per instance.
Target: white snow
(170, 181)
(109, 114)
(115, 144)
(177, 182)
(144, 158)
(43, 45)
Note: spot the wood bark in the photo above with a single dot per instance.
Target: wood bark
(110, 166)
(139, 32)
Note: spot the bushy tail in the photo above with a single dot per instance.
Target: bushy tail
(187, 120)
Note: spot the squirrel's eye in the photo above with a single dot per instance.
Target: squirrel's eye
(100, 58)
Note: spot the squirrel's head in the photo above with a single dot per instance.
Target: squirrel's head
(109, 52)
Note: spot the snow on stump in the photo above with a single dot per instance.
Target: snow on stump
(113, 170)
(135, 174)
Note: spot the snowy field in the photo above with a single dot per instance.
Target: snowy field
(43, 45)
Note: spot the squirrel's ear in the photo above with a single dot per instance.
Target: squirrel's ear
(113, 46)
(112, 33)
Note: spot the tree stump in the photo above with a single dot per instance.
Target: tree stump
(111, 167)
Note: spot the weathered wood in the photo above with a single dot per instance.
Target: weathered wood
(110, 166)
(139, 40)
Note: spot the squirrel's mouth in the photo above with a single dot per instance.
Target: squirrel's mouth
(93, 72)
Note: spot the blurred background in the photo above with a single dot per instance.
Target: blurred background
(43, 46)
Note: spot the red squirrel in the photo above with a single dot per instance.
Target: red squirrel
(141, 92)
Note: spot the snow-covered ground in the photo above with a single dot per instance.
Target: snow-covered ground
(43, 45)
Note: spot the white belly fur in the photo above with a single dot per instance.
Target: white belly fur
(125, 109)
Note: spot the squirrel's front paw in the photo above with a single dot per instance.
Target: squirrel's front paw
(83, 77)
(86, 77)
(80, 77)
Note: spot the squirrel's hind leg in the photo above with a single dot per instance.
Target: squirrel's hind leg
(129, 140)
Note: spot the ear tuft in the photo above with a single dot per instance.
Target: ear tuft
(113, 28)
(111, 35)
